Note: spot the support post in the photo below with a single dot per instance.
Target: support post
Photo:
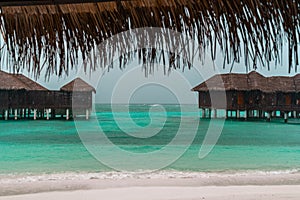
(16, 114)
(53, 113)
(67, 114)
(209, 113)
(87, 114)
(34, 113)
(295, 114)
(285, 117)
(268, 116)
(251, 113)
(273, 113)
(259, 114)
(203, 113)
(226, 114)
(246, 114)
(6, 115)
(215, 113)
(238, 114)
(47, 114)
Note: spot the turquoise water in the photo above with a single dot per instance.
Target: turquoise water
(54, 146)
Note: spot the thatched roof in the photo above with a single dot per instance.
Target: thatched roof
(228, 81)
(57, 33)
(281, 83)
(249, 82)
(78, 85)
(297, 82)
(18, 82)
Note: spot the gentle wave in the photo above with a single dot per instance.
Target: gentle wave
(69, 176)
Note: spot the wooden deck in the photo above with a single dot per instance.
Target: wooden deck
(44, 104)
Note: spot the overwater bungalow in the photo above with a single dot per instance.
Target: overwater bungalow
(254, 94)
(18, 95)
(78, 96)
(21, 97)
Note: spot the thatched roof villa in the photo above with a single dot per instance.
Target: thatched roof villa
(79, 94)
(251, 92)
(20, 97)
(15, 89)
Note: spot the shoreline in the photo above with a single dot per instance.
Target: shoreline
(71, 183)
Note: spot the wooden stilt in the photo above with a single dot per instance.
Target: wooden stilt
(246, 114)
(268, 116)
(285, 117)
(273, 114)
(294, 114)
(34, 114)
(203, 113)
(67, 114)
(215, 113)
(226, 114)
(209, 113)
(53, 113)
(251, 113)
(6, 115)
(47, 114)
(87, 114)
(238, 114)
(16, 114)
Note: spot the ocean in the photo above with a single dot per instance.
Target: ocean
(55, 146)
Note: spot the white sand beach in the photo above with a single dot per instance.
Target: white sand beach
(173, 193)
(154, 186)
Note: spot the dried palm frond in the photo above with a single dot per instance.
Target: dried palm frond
(55, 35)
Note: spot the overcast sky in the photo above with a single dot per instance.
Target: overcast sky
(132, 86)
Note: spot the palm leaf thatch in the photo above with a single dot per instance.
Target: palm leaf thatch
(252, 81)
(55, 33)
(18, 82)
(78, 85)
